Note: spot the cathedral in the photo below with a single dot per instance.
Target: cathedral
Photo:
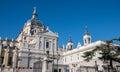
(30, 46)
(35, 42)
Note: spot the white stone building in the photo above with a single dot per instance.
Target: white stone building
(35, 40)
(73, 56)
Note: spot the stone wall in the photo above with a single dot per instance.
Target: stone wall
(16, 70)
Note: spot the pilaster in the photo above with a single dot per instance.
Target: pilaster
(6, 57)
(15, 58)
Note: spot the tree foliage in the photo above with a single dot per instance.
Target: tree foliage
(108, 53)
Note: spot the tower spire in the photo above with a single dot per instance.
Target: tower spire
(34, 10)
(69, 45)
(0, 38)
(87, 37)
(34, 15)
(86, 30)
(70, 39)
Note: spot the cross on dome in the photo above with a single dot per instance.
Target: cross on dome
(34, 13)
(86, 30)
(70, 39)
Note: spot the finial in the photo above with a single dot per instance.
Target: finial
(86, 30)
(47, 28)
(78, 45)
(6, 38)
(0, 38)
(34, 10)
(63, 46)
(70, 39)
(34, 13)
(12, 39)
(56, 33)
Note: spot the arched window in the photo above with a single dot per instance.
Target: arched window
(88, 40)
(85, 41)
(32, 32)
(24, 38)
(71, 46)
(71, 58)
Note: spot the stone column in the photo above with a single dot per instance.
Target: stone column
(6, 57)
(47, 65)
(44, 65)
(43, 44)
(40, 43)
(14, 59)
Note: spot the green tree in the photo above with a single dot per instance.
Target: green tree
(108, 53)
(117, 39)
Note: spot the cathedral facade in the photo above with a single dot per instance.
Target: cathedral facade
(35, 41)
(32, 43)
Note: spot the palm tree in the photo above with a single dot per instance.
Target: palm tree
(108, 52)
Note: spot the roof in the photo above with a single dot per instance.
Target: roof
(34, 22)
(50, 33)
(84, 48)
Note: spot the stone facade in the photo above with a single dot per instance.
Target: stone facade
(37, 43)
(30, 46)
(8, 53)
(34, 40)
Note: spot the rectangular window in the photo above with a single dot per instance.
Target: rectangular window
(71, 69)
(71, 58)
(47, 44)
(2, 60)
(65, 59)
(78, 56)
(10, 61)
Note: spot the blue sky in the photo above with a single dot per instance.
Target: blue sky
(67, 17)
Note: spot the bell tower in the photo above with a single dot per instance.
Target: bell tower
(69, 45)
(87, 37)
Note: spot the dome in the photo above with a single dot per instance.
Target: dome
(69, 43)
(79, 45)
(34, 22)
(86, 36)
